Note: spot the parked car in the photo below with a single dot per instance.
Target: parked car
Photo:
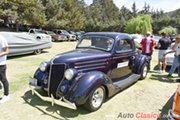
(102, 64)
(39, 34)
(56, 37)
(170, 57)
(71, 37)
(20, 43)
(137, 38)
(78, 35)
(174, 113)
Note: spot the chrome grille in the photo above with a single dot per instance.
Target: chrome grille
(55, 77)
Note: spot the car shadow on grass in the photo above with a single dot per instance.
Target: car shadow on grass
(166, 108)
(53, 111)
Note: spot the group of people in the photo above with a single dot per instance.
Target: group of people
(163, 44)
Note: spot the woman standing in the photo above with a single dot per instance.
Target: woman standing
(163, 45)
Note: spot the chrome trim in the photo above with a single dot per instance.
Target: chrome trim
(172, 114)
(62, 101)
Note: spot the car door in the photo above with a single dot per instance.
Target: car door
(122, 59)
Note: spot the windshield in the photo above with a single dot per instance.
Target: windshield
(104, 43)
(38, 31)
(64, 32)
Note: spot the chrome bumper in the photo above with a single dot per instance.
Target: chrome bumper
(172, 114)
(62, 101)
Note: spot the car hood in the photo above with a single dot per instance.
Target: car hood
(80, 55)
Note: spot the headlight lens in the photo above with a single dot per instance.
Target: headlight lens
(69, 74)
(43, 66)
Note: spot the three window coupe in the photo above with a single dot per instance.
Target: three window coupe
(102, 64)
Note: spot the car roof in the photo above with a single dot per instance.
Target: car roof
(109, 34)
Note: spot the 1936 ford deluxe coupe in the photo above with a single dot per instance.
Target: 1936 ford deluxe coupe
(102, 64)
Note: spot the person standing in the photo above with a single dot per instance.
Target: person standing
(163, 44)
(147, 46)
(3, 57)
(176, 49)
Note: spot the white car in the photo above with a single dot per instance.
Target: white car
(170, 57)
(137, 39)
(39, 34)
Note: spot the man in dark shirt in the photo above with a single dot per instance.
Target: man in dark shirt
(163, 45)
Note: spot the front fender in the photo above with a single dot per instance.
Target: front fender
(138, 63)
(85, 84)
(41, 77)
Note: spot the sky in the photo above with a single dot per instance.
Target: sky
(165, 5)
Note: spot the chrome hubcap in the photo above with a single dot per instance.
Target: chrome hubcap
(145, 71)
(97, 97)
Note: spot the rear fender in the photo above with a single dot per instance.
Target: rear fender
(138, 63)
(85, 84)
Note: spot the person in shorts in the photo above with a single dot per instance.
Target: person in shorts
(163, 45)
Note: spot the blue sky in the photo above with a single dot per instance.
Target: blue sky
(166, 5)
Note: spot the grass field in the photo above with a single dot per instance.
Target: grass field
(144, 99)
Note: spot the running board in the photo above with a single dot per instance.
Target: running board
(126, 82)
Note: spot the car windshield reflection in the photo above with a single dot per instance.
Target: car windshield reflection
(103, 43)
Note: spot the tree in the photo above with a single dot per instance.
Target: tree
(125, 13)
(139, 25)
(75, 19)
(134, 10)
(146, 9)
(168, 30)
(55, 15)
(29, 11)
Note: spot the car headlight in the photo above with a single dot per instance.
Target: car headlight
(70, 73)
(43, 66)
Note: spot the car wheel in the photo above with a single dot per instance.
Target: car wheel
(144, 71)
(37, 52)
(96, 99)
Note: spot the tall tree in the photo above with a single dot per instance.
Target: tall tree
(134, 10)
(29, 11)
(55, 15)
(146, 9)
(125, 13)
(74, 17)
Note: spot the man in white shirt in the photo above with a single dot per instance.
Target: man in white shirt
(3, 57)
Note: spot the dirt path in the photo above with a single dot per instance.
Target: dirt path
(143, 100)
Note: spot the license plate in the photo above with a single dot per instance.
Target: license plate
(33, 81)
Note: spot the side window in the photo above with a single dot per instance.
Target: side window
(123, 45)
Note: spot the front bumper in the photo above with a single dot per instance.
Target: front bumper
(173, 116)
(62, 101)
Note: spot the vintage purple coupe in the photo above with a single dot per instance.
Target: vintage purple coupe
(102, 64)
